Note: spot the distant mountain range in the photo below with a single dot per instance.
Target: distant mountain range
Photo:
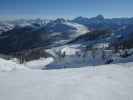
(26, 34)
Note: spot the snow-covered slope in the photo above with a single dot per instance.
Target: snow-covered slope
(6, 66)
(9, 25)
(39, 64)
(80, 29)
(68, 28)
(112, 82)
(4, 27)
(46, 34)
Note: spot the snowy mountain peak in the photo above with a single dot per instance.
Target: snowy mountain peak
(80, 18)
(99, 17)
(60, 20)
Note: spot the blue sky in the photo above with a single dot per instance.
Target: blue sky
(12, 9)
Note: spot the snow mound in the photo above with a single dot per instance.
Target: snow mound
(6, 66)
(39, 64)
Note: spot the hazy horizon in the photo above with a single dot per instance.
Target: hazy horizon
(52, 9)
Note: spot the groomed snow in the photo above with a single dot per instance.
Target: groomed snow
(109, 82)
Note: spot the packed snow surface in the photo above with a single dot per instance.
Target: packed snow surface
(108, 82)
